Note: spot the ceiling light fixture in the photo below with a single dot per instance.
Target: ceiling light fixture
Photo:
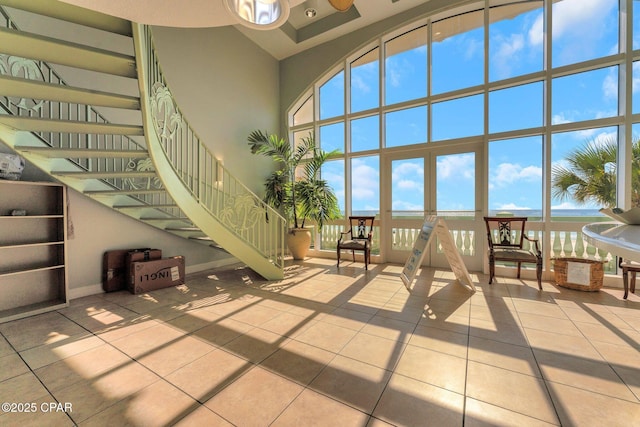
(259, 14)
(311, 10)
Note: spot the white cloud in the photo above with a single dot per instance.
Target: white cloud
(559, 119)
(566, 205)
(365, 181)
(536, 32)
(636, 76)
(579, 16)
(401, 205)
(508, 49)
(509, 173)
(511, 207)
(610, 86)
(457, 167)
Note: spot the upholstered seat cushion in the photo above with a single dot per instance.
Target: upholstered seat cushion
(509, 254)
(353, 244)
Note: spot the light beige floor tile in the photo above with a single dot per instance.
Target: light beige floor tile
(127, 327)
(389, 328)
(575, 371)
(37, 357)
(206, 376)
(408, 402)
(39, 330)
(439, 369)
(175, 354)
(502, 355)
(288, 324)
(539, 308)
(447, 308)
(586, 315)
(159, 404)
(459, 324)
(255, 399)
(545, 323)
(298, 361)
(510, 390)
(12, 366)
(327, 336)
(222, 331)
(311, 408)
(610, 334)
(376, 351)
(85, 366)
(93, 396)
(350, 319)
(147, 340)
(578, 407)
(507, 332)
(482, 414)
(499, 312)
(203, 416)
(193, 320)
(22, 388)
(256, 345)
(565, 344)
(5, 347)
(440, 340)
(256, 315)
(352, 382)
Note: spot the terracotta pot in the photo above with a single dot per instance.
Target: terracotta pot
(298, 241)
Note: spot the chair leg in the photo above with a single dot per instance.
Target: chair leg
(492, 270)
(519, 270)
(633, 282)
(366, 260)
(539, 273)
(338, 251)
(353, 254)
(625, 282)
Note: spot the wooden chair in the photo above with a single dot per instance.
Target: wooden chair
(357, 238)
(628, 267)
(506, 237)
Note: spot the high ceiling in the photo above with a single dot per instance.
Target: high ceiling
(297, 34)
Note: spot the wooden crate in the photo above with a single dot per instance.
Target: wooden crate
(578, 273)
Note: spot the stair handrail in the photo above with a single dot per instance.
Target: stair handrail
(215, 188)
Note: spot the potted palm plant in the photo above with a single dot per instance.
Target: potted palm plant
(295, 187)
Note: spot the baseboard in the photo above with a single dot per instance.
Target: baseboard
(85, 291)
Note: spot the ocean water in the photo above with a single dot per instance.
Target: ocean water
(532, 214)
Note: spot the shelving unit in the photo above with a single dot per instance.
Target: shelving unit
(33, 273)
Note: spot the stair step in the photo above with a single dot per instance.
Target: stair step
(58, 153)
(76, 153)
(123, 192)
(34, 46)
(75, 14)
(34, 124)
(24, 88)
(191, 229)
(159, 206)
(104, 175)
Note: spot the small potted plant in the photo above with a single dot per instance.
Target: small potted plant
(295, 187)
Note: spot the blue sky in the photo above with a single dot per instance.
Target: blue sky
(582, 30)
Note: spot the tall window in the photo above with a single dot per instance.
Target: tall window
(541, 84)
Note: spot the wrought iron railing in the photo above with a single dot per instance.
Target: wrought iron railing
(226, 198)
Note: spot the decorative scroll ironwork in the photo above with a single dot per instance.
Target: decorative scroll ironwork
(29, 69)
(142, 165)
(166, 118)
(241, 213)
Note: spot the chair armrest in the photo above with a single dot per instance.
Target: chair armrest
(535, 244)
(342, 234)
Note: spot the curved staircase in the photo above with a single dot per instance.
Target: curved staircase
(155, 170)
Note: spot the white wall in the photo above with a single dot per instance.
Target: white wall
(226, 86)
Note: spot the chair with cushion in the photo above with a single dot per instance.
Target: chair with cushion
(628, 267)
(507, 238)
(357, 238)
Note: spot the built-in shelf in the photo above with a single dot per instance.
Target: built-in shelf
(33, 272)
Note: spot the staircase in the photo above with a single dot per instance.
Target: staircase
(156, 170)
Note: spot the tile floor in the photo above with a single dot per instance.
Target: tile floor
(328, 347)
